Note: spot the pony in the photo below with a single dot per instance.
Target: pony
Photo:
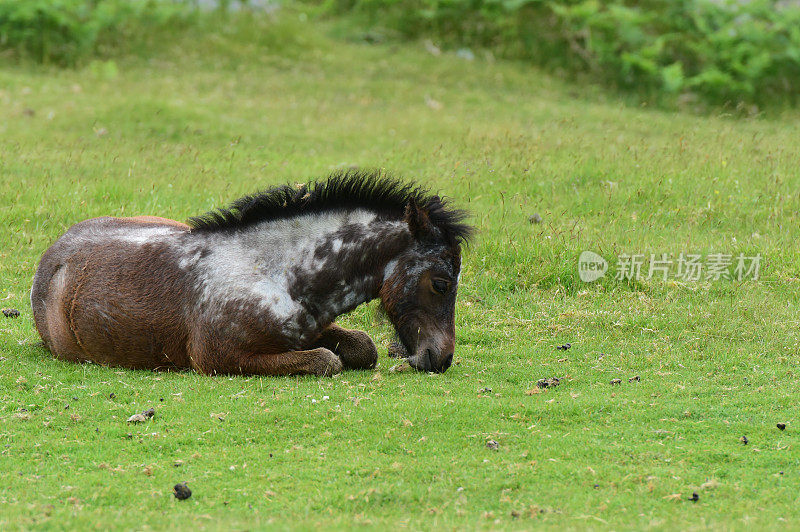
(255, 288)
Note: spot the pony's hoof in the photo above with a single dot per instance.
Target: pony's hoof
(358, 351)
(330, 364)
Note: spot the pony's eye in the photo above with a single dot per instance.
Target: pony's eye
(440, 286)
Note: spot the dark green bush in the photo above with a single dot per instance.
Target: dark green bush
(735, 50)
(65, 31)
(725, 51)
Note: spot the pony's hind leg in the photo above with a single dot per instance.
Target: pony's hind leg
(319, 361)
(50, 300)
(355, 348)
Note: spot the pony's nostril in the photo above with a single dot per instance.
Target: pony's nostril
(429, 365)
(446, 362)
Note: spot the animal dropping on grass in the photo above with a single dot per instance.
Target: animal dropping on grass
(10, 313)
(552, 382)
(181, 491)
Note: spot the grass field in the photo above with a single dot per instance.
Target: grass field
(201, 121)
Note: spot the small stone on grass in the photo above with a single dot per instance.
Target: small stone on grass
(144, 416)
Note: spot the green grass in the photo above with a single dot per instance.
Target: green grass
(200, 121)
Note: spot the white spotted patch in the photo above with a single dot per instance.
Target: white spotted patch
(94, 231)
(255, 265)
(137, 234)
(388, 271)
(190, 259)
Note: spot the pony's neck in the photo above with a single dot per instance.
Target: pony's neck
(302, 271)
(316, 267)
(346, 265)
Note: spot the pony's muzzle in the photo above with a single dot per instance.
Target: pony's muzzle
(430, 360)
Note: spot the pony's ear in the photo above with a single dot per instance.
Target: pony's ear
(417, 219)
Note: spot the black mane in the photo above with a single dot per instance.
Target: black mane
(372, 190)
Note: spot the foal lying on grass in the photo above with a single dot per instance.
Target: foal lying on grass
(255, 288)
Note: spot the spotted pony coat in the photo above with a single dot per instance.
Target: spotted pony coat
(255, 288)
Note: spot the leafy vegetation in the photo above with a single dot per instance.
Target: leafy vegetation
(211, 115)
(65, 32)
(725, 52)
(722, 51)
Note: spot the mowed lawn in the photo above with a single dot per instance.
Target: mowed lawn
(203, 119)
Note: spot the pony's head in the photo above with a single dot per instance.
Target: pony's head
(420, 284)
